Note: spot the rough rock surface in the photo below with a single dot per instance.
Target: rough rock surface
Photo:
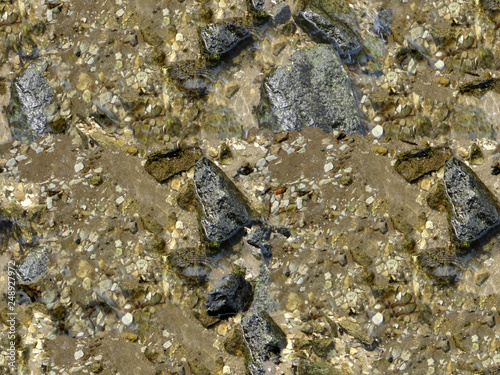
(31, 95)
(164, 164)
(314, 90)
(220, 38)
(414, 164)
(229, 295)
(474, 209)
(33, 266)
(264, 338)
(324, 23)
(225, 211)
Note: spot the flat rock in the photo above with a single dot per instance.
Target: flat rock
(165, 164)
(229, 295)
(414, 164)
(224, 209)
(474, 208)
(330, 22)
(221, 38)
(313, 90)
(33, 266)
(31, 95)
(264, 338)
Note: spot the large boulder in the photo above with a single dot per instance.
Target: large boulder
(474, 208)
(229, 295)
(313, 90)
(28, 112)
(224, 209)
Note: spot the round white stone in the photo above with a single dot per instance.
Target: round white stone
(378, 319)
(328, 167)
(79, 167)
(127, 319)
(79, 354)
(378, 131)
(439, 64)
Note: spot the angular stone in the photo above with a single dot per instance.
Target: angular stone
(414, 164)
(192, 77)
(31, 95)
(229, 295)
(474, 209)
(330, 22)
(33, 266)
(221, 38)
(354, 329)
(224, 210)
(443, 265)
(164, 164)
(314, 90)
(190, 264)
(317, 368)
(264, 338)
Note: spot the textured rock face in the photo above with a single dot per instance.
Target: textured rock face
(165, 164)
(31, 95)
(220, 38)
(330, 22)
(314, 90)
(414, 164)
(229, 295)
(225, 211)
(33, 266)
(474, 209)
(264, 338)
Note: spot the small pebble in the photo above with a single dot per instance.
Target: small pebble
(79, 354)
(127, 319)
(328, 167)
(378, 131)
(378, 319)
(79, 167)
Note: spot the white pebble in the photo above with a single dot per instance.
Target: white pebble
(127, 319)
(370, 200)
(328, 167)
(79, 167)
(378, 319)
(378, 131)
(12, 162)
(79, 354)
(261, 163)
(120, 200)
(439, 64)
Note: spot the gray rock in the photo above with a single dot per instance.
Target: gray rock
(264, 339)
(229, 295)
(330, 22)
(474, 208)
(259, 236)
(224, 210)
(221, 38)
(382, 23)
(280, 14)
(33, 266)
(314, 90)
(31, 95)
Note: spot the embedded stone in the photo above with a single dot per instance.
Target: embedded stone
(229, 295)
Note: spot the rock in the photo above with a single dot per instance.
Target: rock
(280, 14)
(401, 225)
(414, 164)
(354, 329)
(220, 39)
(225, 154)
(478, 88)
(441, 264)
(224, 210)
(229, 295)
(31, 95)
(330, 22)
(323, 346)
(474, 208)
(190, 264)
(33, 266)
(6, 229)
(192, 77)
(165, 164)
(378, 131)
(314, 90)
(382, 23)
(259, 236)
(471, 122)
(317, 368)
(476, 155)
(264, 339)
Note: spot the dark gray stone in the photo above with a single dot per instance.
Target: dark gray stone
(382, 23)
(224, 210)
(31, 95)
(33, 266)
(264, 338)
(259, 236)
(332, 22)
(314, 90)
(474, 208)
(280, 14)
(229, 295)
(220, 38)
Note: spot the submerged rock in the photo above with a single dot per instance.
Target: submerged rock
(33, 266)
(31, 96)
(264, 338)
(314, 90)
(442, 265)
(414, 164)
(192, 77)
(192, 265)
(474, 208)
(259, 236)
(317, 368)
(354, 329)
(229, 295)
(219, 39)
(164, 164)
(330, 22)
(224, 210)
